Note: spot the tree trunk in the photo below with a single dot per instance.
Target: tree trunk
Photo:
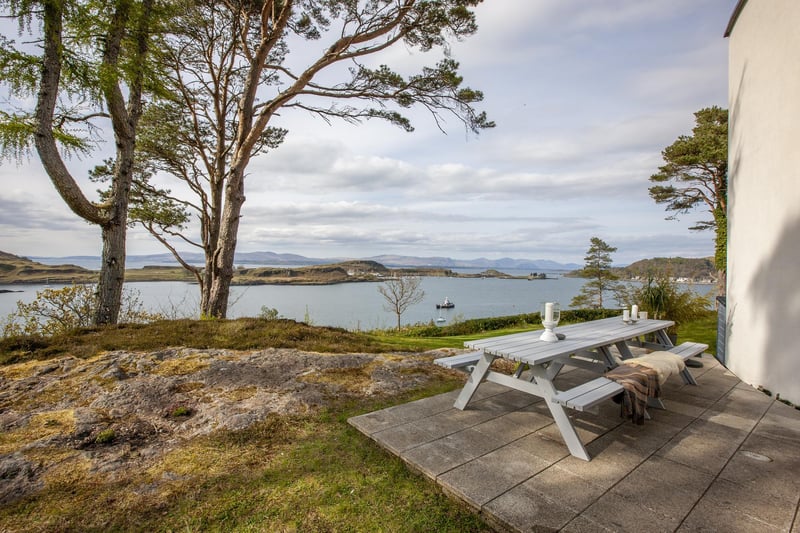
(112, 269)
(213, 214)
(205, 287)
(223, 260)
(111, 217)
(112, 273)
(722, 282)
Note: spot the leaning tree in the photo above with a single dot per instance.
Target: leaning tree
(237, 64)
(695, 175)
(85, 65)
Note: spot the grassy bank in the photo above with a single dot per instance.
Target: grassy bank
(302, 472)
(255, 333)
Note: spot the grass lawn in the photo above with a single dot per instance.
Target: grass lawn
(703, 330)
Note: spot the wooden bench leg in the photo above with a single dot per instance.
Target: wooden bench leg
(474, 379)
(687, 376)
(568, 433)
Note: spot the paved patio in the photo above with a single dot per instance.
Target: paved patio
(722, 457)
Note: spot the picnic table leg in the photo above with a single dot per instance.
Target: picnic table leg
(474, 379)
(608, 357)
(568, 433)
(624, 350)
(519, 370)
(663, 338)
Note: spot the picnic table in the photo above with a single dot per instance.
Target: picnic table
(586, 345)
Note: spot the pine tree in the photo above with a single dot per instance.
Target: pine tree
(602, 279)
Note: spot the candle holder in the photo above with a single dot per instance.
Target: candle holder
(551, 314)
(631, 316)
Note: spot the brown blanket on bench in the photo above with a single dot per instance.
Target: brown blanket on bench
(639, 384)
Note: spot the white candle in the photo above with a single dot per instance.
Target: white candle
(626, 315)
(548, 312)
(635, 312)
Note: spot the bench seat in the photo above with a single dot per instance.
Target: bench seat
(688, 349)
(588, 394)
(464, 362)
(591, 393)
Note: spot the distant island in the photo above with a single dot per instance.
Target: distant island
(248, 259)
(21, 270)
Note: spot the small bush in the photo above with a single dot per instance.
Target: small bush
(181, 411)
(58, 311)
(585, 315)
(661, 297)
(105, 437)
(269, 313)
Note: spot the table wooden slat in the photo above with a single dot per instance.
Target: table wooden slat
(528, 348)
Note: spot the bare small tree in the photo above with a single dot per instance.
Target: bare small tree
(400, 293)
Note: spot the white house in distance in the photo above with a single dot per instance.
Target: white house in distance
(763, 285)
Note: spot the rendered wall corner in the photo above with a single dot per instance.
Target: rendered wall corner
(763, 291)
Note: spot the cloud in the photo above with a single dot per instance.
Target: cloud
(586, 95)
(689, 79)
(614, 15)
(32, 227)
(316, 166)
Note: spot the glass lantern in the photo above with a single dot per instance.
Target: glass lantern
(551, 314)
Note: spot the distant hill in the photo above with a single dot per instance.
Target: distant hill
(15, 269)
(691, 269)
(6, 257)
(480, 263)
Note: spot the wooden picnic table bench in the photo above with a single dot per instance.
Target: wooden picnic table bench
(586, 344)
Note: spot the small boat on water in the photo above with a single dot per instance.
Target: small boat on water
(446, 304)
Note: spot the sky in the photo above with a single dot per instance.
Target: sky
(585, 94)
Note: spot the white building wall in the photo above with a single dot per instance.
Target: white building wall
(763, 293)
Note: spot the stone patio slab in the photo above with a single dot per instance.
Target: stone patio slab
(721, 457)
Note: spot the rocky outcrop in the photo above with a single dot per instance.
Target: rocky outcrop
(125, 410)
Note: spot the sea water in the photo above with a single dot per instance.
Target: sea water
(354, 306)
